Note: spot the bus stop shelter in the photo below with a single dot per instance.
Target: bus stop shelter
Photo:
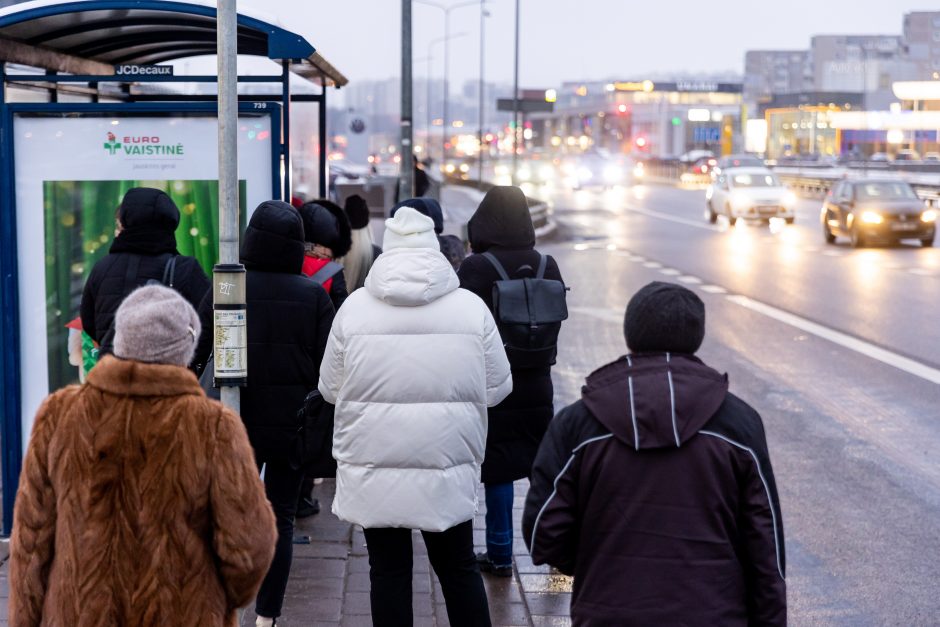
(109, 115)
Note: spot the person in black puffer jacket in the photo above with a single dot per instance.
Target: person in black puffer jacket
(289, 319)
(502, 225)
(146, 241)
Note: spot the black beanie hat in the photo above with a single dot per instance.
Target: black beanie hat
(664, 318)
(326, 223)
(358, 212)
(428, 206)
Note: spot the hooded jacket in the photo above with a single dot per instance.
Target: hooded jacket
(656, 492)
(502, 225)
(289, 319)
(139, 504)
(138, 254)
(412, 363)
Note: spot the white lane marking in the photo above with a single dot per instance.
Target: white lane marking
(637, 258)
(833, 253)
(652, 264)
(714, 289)
(811, 249)
(672, 218)
(920, 271)
(837, 337)
(670, 272)
(690, 280)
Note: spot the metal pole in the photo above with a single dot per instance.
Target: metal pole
(482, 99)
(322, 138)
(285, 120)
(407, 175)
(515, 105)
(446, 91)
(227, 43)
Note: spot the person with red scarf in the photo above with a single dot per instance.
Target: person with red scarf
(327, 236)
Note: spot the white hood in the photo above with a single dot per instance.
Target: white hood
(411, 277)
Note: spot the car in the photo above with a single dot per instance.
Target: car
(932, 157)
(737, 161)
(866, 210)
(597, 168)
(907, 155)
(749, 193)
(880, 157)
(694, 155)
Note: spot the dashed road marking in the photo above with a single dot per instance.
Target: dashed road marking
(652, 265)
(670, 272)
(920, 271)
(714, 289)
(690, 280)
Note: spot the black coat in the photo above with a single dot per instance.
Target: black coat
(517, 425)
(149, 219)
(289, 319)
(655, 490)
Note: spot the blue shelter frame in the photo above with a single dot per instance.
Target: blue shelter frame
(78, 44)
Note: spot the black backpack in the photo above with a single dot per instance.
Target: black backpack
(528, 313)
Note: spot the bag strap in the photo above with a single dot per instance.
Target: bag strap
(543, 263)
(326, 273)
(496, 264)
(130, 276)
(169, 271)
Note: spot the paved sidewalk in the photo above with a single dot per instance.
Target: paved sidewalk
(329, 583)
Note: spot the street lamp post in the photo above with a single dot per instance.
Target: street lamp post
(515, 105)
(429, 59)
(447, 10)
(483, 15)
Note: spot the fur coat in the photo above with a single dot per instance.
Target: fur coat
(139, 504)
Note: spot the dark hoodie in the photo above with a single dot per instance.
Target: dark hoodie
(655, 491)
(289, 319)
(138, 254)
(502, 225)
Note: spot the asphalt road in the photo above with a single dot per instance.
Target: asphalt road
(837, 348)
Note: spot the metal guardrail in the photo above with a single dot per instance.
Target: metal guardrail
(817, 184)
(541, 211)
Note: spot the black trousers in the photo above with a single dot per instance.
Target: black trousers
(451, 555)
(282, 487)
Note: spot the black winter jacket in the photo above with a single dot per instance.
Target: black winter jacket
(656, 492)
(503, 226)
(137, 255)
(289, 319)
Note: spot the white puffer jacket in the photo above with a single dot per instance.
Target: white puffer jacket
(411, 364)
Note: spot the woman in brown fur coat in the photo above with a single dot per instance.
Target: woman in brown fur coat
(139, 501)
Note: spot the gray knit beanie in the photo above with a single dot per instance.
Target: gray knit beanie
(664, 318)
(156, 325)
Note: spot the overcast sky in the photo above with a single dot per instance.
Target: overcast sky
(577, 39)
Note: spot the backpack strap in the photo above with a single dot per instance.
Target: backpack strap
(169, 271)
(496, 264)
(326, 273)
(543, 262)
(130, 276)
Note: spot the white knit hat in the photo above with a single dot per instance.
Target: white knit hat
(409, 229)
(156, 325)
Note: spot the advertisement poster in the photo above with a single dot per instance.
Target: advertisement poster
(71, 174)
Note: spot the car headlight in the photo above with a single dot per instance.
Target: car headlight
(789, 200)
(638, 170)
(739, 201)
(929, 216)
(546, 172)
(464, 167)
(524, 174)
(872, 217)
(612, 173)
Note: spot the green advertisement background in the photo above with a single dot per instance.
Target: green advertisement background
(79, 228)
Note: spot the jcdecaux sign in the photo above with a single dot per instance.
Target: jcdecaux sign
(129, 69)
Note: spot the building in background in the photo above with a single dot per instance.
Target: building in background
(921, 36)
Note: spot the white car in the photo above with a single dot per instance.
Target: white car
(751, 194)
